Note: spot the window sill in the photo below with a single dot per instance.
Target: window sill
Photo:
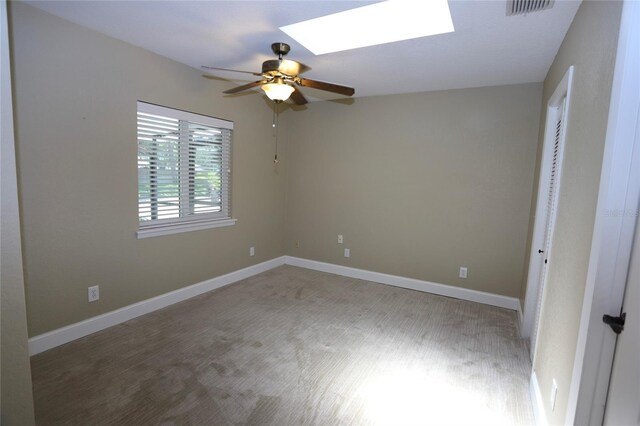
(176, 228)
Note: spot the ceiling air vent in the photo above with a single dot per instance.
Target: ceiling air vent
(522, 7)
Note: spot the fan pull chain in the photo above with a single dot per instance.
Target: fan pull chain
(275, 129)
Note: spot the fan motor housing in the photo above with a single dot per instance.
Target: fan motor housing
(283, 67)
(270, 66)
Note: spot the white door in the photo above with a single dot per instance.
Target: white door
(623, 400)
(550, 213)
(557, 113)
(610, 273)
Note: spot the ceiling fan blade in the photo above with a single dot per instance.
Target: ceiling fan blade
(297, 97)
(244, 87)
(329, 87)
(227, 69)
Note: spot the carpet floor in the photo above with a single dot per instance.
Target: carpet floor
(293, 346)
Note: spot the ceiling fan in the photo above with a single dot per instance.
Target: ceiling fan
(280, 77)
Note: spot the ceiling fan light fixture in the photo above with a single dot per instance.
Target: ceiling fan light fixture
(278, 91)
(280, 76)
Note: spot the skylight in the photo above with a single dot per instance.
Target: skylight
(378, 23)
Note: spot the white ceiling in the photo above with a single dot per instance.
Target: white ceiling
(487, 48)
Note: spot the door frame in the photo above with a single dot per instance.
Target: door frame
(553, 111)
(616, 214)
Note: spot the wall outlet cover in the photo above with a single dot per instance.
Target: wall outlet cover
(340, 239)
(347, 252)
(252, 251)
(93, 293)
(463, 272)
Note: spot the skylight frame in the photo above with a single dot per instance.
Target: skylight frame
(372, 25)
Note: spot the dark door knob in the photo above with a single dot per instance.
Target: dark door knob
(616, 323)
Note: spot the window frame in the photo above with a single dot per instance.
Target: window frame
(194, 221)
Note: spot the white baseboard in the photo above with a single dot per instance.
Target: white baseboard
(80, 329)
(521, 320)
(410, 283)
(539, 414)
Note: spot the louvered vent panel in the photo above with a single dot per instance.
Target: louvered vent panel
(522, 7)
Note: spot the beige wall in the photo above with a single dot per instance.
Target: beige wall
(456, 192)
(418, 184)
(75, 98)
(16, 399)
(590, 46)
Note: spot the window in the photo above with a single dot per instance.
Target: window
(184, 171)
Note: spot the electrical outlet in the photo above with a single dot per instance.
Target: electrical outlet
(347, 253)
(340, 239)
(252, 251)
(297, 244)
(554, 393)
(93, 293)
(463, 272)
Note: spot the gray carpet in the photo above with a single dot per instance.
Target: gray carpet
(289, 347)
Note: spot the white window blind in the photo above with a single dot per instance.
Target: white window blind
(184, 170)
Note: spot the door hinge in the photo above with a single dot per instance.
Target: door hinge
(616, 323)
